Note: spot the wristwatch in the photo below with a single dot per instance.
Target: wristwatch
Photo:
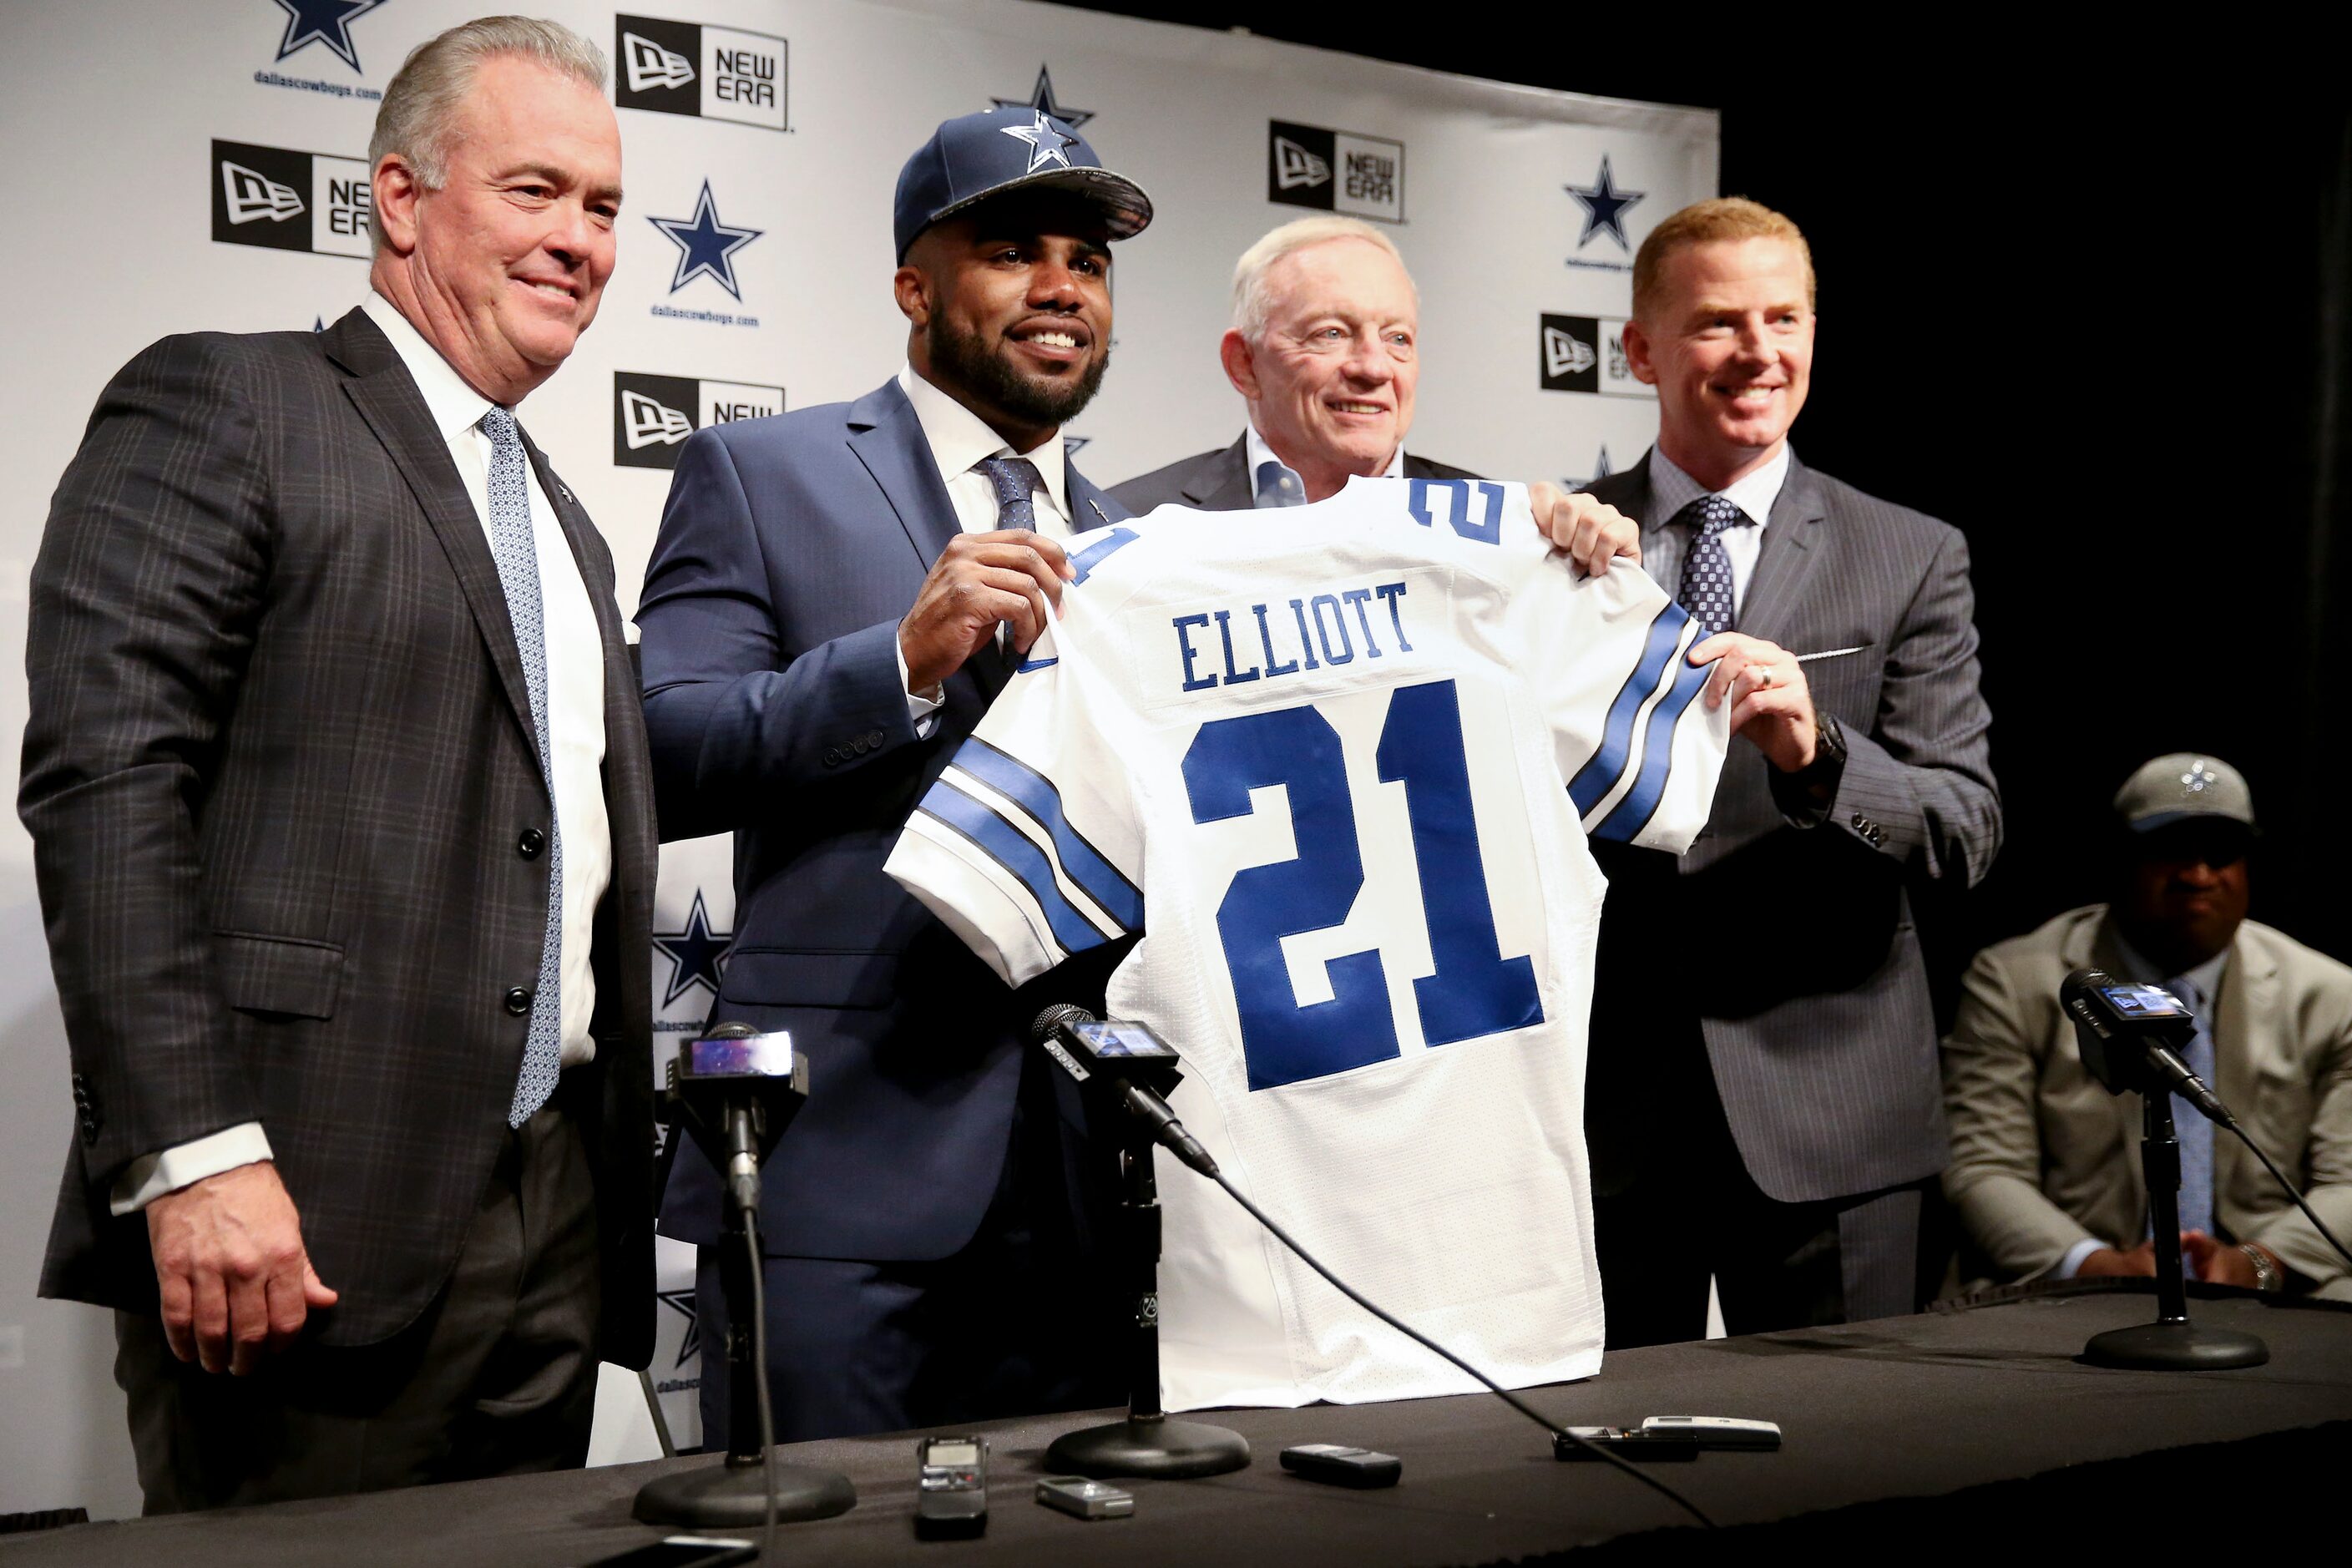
(1821, 775)
(2266, 1273)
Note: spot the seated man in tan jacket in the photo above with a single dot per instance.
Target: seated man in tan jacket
(2045, 1168)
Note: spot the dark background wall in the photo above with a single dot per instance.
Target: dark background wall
(2089, 300)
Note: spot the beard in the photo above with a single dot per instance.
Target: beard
(965, 359)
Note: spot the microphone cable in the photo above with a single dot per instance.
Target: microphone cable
(1597, 1450)
(766, 1401)
(2292, 1190)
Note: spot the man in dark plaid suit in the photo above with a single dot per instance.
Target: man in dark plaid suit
(341, 813)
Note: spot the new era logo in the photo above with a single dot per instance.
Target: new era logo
(691, 67)
(650, 66)
(1335, 171)
(654, 415)
(1295, 166)
(281, 199)
(1587, 353)
(251, 195)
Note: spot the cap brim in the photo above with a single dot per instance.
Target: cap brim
(1125, 208)
(2158, 821)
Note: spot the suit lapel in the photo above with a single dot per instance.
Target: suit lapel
(388, 398)
(2244, 1021)
(1091, 507)
(1223, 483)
(888, 439)
(1786, 558)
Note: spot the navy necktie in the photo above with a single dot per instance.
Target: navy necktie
(1706, 590)
(516, 551)
(1017, 481)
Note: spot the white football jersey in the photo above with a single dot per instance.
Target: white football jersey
(1337, 763)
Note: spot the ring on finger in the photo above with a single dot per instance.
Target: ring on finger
(1763, 677)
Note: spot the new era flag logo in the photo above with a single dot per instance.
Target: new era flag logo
(644, 422)
(1587, 353)
(1566, 354)
(252, 196)
(1295, 166)
(1335, 171)
(650, 66)
(654, 415)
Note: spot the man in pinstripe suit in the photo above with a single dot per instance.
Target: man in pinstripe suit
(1766, 1110)
(342, 818)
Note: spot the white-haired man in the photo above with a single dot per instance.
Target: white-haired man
(342, 818)
(1325, 350)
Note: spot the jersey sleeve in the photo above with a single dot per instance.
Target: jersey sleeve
(1027, 846)
(1609, 655)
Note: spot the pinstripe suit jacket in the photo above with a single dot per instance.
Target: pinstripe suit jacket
(1808, 981)
(789, 551)
(280, 757)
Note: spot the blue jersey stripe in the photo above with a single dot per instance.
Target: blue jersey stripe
(1098, 550)
(1021, 860)
(1034, 793)
(1598, 775)
(1631, 815)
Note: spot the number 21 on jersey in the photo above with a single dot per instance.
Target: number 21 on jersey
(1474, 991)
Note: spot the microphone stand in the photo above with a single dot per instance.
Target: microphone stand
(1147, 1442)
(2171, 1343)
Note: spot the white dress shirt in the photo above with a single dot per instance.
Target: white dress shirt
(1671, 490)
(575, 738)
(959, 440)
(1259, 454)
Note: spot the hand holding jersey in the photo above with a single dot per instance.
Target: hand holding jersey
(1350, 764)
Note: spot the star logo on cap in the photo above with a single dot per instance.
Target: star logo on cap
(327, 22)
(1046, 141)
(706, 247)
(1605, 207)
(1041, 98)
(2198, 777)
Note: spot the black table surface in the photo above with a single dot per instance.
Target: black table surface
(1902, 1407)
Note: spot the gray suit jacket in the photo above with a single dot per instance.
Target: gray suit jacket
(1806, 980)
(1220, 481)
(2043, 1157)
(278, 771)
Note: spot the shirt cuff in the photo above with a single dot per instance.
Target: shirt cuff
(150, 1176)
(2074, 1255)
(921, 706)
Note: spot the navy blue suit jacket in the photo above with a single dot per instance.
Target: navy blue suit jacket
(788, 549)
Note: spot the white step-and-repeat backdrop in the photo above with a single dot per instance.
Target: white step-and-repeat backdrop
(177, 166)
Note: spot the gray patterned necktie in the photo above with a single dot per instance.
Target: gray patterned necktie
(517, 557)
(1706, 590)
(1016, 480)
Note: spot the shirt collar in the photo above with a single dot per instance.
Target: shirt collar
(1259, 454)
(1671, 490)
(2206, 976)
(455, 406)
(958, 439)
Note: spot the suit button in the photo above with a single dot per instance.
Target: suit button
(832, 757)
(518, 1000)
(531, 843)
(873, 738)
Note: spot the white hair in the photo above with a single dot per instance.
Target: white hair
(419, 117)
(1251, 305)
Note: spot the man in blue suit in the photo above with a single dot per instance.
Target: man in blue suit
(836, 595)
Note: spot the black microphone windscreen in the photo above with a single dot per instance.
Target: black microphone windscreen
(1049, 1023)
(734, 1030)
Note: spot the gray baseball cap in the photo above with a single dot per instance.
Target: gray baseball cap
(2182, 787)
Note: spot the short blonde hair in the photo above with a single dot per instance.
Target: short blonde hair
(1250, 303)
(1703, 223)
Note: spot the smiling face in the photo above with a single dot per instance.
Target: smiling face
(1727, 339)
(502, 267)
(1009, 306)
(1330, 379)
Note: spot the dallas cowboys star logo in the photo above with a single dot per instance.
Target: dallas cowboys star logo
(682, 1303)
(1600, 470)
(1041, 98)
(698, 954)
(706, 247)
(327, 22)
(1605, 207)
(1046, 142)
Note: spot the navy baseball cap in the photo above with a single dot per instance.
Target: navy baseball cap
(976, 157)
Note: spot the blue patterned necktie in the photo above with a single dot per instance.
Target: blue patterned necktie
(517, 557)
(1017, 481)
(2195, 1132)
(1706, 590)
(1277, 486)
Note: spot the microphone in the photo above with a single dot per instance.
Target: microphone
(735, 1090)
(1130, 1066)
(2126, 1033)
